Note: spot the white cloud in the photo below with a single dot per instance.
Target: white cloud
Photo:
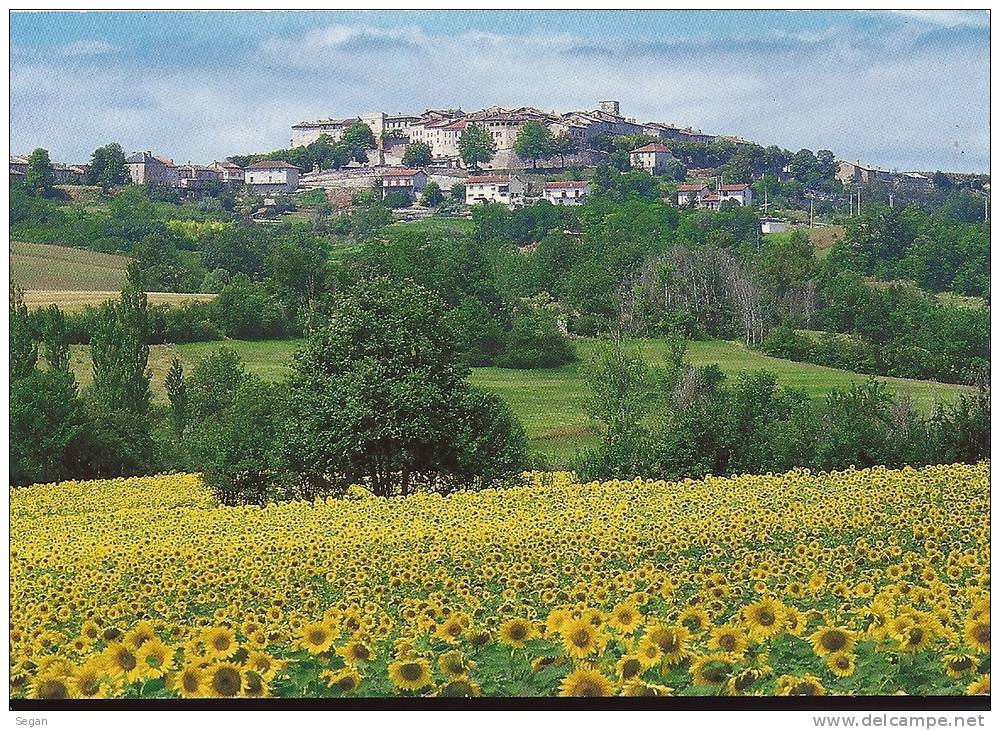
(885, 100)
(948, 18)
(87, 48)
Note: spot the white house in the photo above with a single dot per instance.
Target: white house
(230, 173)
(653, 158)
(504, 189)
(272, 176)
(773, 225)
(691, 193)
(566, 192)
(405, 179)
(740, 192)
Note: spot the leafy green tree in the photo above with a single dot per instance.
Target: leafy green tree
(107, 167)
(46, 426)
(380, 397)
(21, 340)
(358, 138)
(432, 195)
(476, 146)
(241, 450)
(535, 341)
(177, 395)
(417, 154)
(397, 199)
(40, 177)
(119, 349)
(564, 144)
(534, 142)
(55, 341)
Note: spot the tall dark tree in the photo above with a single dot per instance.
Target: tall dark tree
(417, 154)
(40, 177)
(177, 395)
(21, 340)
(476, 146)
(564, 144)
(534, 142)
(107, 167)
(119, 349)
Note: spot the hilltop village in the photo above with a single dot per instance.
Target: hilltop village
(509, 156)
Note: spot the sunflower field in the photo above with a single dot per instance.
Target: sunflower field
(857, 582)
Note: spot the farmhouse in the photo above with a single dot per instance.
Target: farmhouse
(409, 181)
(740, 192)
(269, 176)
(854, 173)
(230, 173)
(145, 168)
(691, 194)
(566, 192)
(192, 177)
(653, 158)
(504, 189)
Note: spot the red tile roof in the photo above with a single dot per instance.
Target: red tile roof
(400, 172)
(734, 187)
(652, 147)
(713, 198)
(561, 184)
(271, 165)
(689, 188)
(476, 179)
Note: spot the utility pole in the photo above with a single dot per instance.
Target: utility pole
(811, 204)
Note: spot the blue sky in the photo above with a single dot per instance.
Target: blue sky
(908, 90)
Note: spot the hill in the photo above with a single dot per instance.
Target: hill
(44, 267)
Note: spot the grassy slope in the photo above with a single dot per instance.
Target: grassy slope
(551, 402)
(39, 266)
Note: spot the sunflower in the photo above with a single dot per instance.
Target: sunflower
(516, 631)
(630, 667)
(711, 670)
(580, 638)
(90, 680)
(980, 687)
(453, 664)
(156, 655)
(345, 680)
(51, 687)
(956, 665)
(729, 639)
(672, 641)
(695, 619)
(410, 674)
(914, 638)
(220, 642)
(451, 630)
(795, 620)
(463, 687)
(140, 634)
(741, 682)
(805, 686)
(224, 680)
(555, 620)
(355, 651)
(122, 663)
(316, 637)
(649, 652)
(765, 618)
(585, 682)
(831, 640)
(264, 664)
(255, 686)
(841, 663)
(977, 634)
(625, 618)
(190, 682)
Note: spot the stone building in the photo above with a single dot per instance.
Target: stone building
(269, 176)
(145, 168)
